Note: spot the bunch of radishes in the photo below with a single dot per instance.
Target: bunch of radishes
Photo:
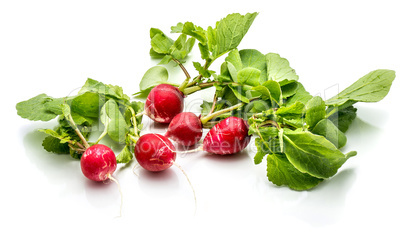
(164, 104)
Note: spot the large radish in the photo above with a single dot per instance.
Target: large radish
(227, 137)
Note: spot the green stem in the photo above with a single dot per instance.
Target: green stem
(74, 126)
(102, 135)
(134, 139)
(270, 122)
(205, 119)
(188, 77)
(133, 120)
(213, 105)
(199, 77)
(263, 140)
(192, 89)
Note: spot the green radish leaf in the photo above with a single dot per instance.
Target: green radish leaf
(154, 76)
(265, 94)
(192, 30)
(274, 90)
(372, 87)
(228, 33)
(315, 111)
(278, 69)
(125, 155)
(301, 95)
(87, 104)
(65, 108)
(52, 144)
(235, 59)
(262, 150)
(343, 118)
(247, 58)
(205, 54)
(114, 121)
(294, 111)
(161, 43)
(205, 73)
(249, 76)
(181, 47)
(35, 108)
(205, 108)
(55, 104)
(165, 60)
(265, 131)
(232, 71)
(257, 106)
(63, 138)
(240, 93)
(312, 154)
(254, 59)
(281, 172)
(327, 129)
(110, 91)
(289, 89)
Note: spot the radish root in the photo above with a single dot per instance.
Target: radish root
(191, 185)
(119, 187)
(134, 167)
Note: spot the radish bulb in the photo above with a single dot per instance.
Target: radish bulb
(163, 103)
(185, 129)
(98, 162)
(154, 152)
(227, 137)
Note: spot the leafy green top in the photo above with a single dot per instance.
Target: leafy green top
(94, 102)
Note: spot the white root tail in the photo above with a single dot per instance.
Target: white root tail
(191, 185)
(121, 193)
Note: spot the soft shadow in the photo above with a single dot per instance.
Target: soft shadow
(324, 205)
(60, 170)
(95, 193)
(361, 134)
(164, 183)
(232, 159)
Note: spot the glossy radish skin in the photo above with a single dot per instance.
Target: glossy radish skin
(185, 129)
(164, 102)
(154, 152)
(227, 137)
(98, 162)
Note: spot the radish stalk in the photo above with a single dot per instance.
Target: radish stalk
(205, 119)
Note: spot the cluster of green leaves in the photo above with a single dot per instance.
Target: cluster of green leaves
(259, 80)
(95, 102)
(213, 42)
(301, 136)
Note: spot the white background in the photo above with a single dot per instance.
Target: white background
(52, 47)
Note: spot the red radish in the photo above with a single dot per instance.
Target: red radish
(163, 103)
(185, 129)
(98, 162)
(227, 137)
(154, 152)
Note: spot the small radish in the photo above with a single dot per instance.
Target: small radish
(98, 162)
(163, 103)
(185, 129)
(154, 152)
(227, 137)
